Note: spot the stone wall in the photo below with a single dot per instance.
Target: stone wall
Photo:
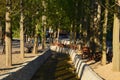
(83, 70)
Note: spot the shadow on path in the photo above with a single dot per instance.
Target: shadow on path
(56, 68)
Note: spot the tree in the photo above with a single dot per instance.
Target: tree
(8, 45)
(104, 48)
(44, 24)
(32, 21)
(21, 29)
(35, 47)
(96, 27)
(116, 31)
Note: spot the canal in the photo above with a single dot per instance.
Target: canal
(57, 67)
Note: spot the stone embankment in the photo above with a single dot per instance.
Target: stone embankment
(83, 71)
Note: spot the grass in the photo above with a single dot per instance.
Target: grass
(56, 68)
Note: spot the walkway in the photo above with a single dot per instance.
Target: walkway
(57, 67)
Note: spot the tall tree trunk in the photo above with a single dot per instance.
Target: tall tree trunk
(116, 31)
(44, 31)
(42, 39)
(21, 30)
(44, 25)
(74, 34)
(55, 34)
(76, 21)
(58, 31)
(71, 33)
(91, 29)
(85, 29)
(80, 32)
(35, 47)
(8, 45)
(104, 48)
(50, 32)
(97, 27)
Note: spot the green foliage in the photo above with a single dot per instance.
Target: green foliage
(2, 9)
(58, 12)
(16, 33)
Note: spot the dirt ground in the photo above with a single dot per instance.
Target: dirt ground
(17, 61)
(105, 72)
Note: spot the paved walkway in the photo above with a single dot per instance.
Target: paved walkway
(57, 67)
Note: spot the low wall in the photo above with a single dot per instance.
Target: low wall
(27, 70)
(83, 70)
(65, 42)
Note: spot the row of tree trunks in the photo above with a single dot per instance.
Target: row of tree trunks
(94, 37)
(94, 30)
